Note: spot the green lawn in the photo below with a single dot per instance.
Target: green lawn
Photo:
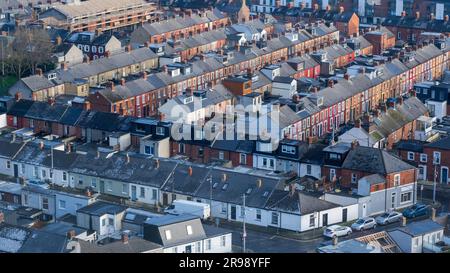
(5, 83)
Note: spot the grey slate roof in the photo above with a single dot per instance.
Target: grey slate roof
(443, 143)
(134, 245)
(299, 203)
(238, 184)
(372, 160)
(422, 227)
(100, 208)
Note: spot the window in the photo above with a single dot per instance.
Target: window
(124, 188)
(103, 222)
(208, 244)
(148, 150)
(308, 169)
(436, 158)
(94, 182)
(189, 229)
(168, 235)
(396, 180)
(274, 218)
(423, 158)
(198, 247)
(23, 168)
(399, 35)
(312, 221)
(142, 192)
(43, 173)
(108, 186)
(160, 131)
(181, 148)
(288, 149)
(242, 212)
(221, 155)
(64, 176)
(154, 194)
(332, 173)
(44, 203)
(62, 204)
(224, 208)
(8, 164)
(35, 171)
(25, 199)
(80, 181)
(406, 197)
(110, 221)
(410, 156)
(223, 241)
(354, 177)
(258, 215)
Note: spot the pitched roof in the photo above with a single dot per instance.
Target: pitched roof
(299, 203)
(100, 208)
(372, 160)
(133, 245)
(443, 143)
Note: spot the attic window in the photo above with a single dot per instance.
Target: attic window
(249, 190)
(215, 185)
(225, 186)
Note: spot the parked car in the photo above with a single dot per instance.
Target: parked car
(388, 217)
(38, 183)
(364, 223)
(337, 231)
(416, 211)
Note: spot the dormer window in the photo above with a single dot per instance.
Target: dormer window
(160, 131)
(288, 149)
(189, 229)
(188, 100)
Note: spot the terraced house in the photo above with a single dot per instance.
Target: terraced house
(183, 26)
(98, 14)
(76, 79)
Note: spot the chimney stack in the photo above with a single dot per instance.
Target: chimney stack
(65, 66)
(128, 158)
(347, 76)
(39, 72)
(354, 144)
(71, 234)
(330, 83)
(113, 87)
(316, 7)
(417, 15)
(41, 145)
(403, 14)
(446, 18)
(431, 16)
(400, 100)
(358, 123)
(128, 48)
(122, 82)
(157, 164)
(18, 96)
(433, 214)
(403, 221)
(144, 75)
(51, 101)
(341, 9)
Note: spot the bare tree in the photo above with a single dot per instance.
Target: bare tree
(30, 48)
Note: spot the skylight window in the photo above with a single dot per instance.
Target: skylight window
(265, 194)
(249, 190)
(168, 235)
(215, 185)
(225, 186)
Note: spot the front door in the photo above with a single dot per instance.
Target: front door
(364, 210)
(422, 172)
(16, 170)
(233, 212)
(444, 175)
(325, 219)
(165, 202)
(133, 193)
(344, 215)
(102, 186)
(393, 200)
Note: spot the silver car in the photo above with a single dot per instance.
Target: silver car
(364, 223)
(389, 217)
(337, 231)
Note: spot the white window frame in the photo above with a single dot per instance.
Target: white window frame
(423, 158)
(411, 156)
(397, 180)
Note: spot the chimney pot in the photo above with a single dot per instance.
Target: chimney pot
(190, 171)
(417, 15)
(403, 221)
(122, 82)
(433, 214)
(18, 96)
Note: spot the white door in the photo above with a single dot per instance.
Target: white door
(364, 210)
(422, 172)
